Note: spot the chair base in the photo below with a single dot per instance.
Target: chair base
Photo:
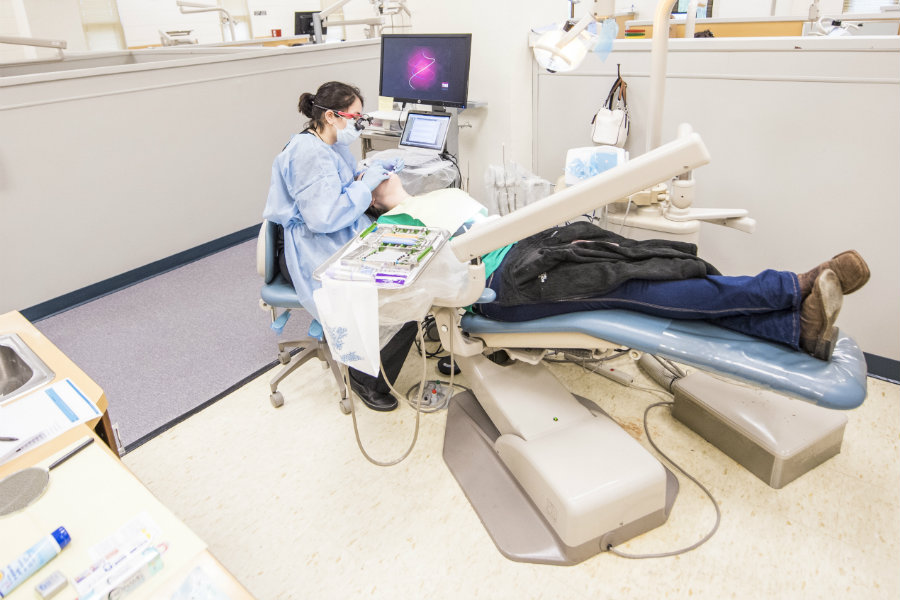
(515, 524)
(310, 348)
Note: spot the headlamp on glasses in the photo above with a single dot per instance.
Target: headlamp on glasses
(360, 120)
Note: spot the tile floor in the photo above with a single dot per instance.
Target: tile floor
(289, 505)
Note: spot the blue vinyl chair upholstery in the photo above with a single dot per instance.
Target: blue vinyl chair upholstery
(276, 293)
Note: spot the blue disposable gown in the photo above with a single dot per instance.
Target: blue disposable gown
(314, 196)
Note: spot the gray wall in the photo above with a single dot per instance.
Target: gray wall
(103, 174)
(805, 133)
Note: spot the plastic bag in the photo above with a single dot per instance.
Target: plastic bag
(444, 277)
(584, 163)
(512, 187)
(422, 172)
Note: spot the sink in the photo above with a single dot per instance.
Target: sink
(20, 368)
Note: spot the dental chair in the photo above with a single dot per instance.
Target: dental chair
(276, 293)
(554, 479)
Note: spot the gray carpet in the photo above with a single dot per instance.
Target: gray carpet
(167, 346)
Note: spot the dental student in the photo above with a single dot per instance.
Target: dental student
(319, 198)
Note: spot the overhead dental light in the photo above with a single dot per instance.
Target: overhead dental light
(562, 49)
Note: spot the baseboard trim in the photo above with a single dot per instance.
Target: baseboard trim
(883, 368)
(129, 278)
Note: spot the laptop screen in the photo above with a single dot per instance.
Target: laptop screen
(426, 130)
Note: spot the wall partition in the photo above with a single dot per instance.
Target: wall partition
(108, 169)
(803, 132)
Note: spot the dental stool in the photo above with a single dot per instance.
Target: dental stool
(277, 293)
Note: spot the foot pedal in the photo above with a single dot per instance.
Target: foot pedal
(443, 366)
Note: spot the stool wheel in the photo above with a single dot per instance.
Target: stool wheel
(345, 405)
(284, 357)
(276, 399)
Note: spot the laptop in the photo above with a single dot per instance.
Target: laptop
(426, 131)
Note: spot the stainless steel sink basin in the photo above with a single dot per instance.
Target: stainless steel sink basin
(20, 368)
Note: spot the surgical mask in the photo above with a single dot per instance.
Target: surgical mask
(348, 134)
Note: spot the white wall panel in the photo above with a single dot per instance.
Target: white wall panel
(100, 175)
(803, 133)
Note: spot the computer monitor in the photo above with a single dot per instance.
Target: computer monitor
(426, 68)
(303, 23)
(426, 130)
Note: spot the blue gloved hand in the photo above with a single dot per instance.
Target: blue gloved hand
(374, 175)
(395, 165)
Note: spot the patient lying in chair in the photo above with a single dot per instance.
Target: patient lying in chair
(581, 266)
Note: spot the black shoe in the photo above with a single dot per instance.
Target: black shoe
(443, 366)
(372, 398)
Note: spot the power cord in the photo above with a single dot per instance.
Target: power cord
(446, 155)
(430, 334)
(715, 504)
(675, 370)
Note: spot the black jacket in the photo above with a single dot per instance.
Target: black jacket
(582, 260)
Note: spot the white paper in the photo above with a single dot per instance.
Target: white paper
(43, 415)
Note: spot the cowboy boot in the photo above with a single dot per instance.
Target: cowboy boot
(849, 266)
(818, 313)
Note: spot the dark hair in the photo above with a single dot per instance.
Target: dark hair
(333, 95)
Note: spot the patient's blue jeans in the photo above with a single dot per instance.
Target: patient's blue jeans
(765, 306)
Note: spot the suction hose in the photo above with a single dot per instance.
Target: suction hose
(659, 373)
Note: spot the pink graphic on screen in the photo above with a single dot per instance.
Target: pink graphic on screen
(422, 69)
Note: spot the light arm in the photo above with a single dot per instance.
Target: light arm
(37, 42)
(319, 17)
(659, 49)
(690, 20)
(186, 7)
(660, 164)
